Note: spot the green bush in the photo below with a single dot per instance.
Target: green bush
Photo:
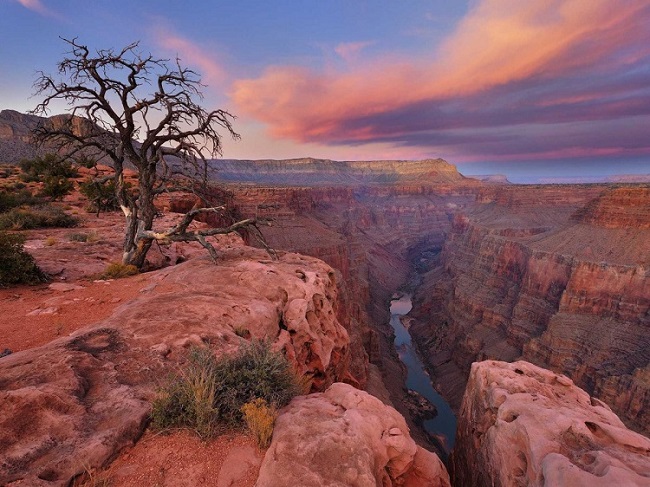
(56, 187)
(37, 217)
(15, 197)
(210, 390)
(16, 265)
(100, 195)
(34, 170)
(52, 171)
(255, 372)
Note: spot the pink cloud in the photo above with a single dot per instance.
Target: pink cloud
(350, 51)
(498, 43)
(212, 72)
(38, 7)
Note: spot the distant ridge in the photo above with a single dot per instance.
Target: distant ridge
(490, 178)
(313, 172)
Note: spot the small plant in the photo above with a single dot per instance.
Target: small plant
(50, 241)
(36, 217)
(260, 418)
(91, 478)
(16, 265)
(117, 270)
(210, 390)
(255, 372)
(78, 237)
(188, 400)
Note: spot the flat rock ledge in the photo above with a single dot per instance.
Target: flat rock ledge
(345, 437)
(522, 425)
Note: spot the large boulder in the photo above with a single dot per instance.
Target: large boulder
(346, 437)
(521, 425)
(75, 402)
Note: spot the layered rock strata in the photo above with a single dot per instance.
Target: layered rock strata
(346, 437)
(563, 283)
(75, 402)
(523, 425)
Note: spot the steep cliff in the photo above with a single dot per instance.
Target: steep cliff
(372, 235)
(523, 425)
(560, 278)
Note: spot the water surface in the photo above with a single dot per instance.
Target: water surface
(443, 426)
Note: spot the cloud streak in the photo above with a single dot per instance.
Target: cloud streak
(212, 71)
(507, 64)
(38, 7)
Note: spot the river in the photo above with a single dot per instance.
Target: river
(443, 426)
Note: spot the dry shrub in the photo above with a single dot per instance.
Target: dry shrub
(188, 400)
(260, 418)
(117, 270)
(210, 391)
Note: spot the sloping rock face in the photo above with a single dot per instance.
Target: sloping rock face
(72, 404)
(345, 437)
(559, 278)
(521, 425)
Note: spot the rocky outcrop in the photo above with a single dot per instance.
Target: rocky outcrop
(72, 404)
(523, 425)
(346, 437)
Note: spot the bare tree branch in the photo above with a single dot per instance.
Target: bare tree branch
(137, 111)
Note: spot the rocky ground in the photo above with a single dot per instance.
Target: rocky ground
(33, 316)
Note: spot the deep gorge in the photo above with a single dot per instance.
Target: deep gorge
(509, 272)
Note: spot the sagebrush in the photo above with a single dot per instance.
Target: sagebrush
(211, 392)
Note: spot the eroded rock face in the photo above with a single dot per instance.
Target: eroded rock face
(346, 437)
(72, 404)
(520, 424)
(557, 277)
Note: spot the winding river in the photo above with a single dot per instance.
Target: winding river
(443, 426)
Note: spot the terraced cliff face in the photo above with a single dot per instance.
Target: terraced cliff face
(324, 172)
(557, 276)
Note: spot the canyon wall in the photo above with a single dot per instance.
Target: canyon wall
(558, 277)
(556, 274)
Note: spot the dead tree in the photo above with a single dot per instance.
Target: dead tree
(133, 110)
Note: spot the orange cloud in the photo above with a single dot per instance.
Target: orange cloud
(498, 42)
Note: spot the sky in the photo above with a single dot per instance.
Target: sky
(538, 89)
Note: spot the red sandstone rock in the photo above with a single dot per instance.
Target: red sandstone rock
(72, 404)
(520, 424)
(527, 274)
(346, 437)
